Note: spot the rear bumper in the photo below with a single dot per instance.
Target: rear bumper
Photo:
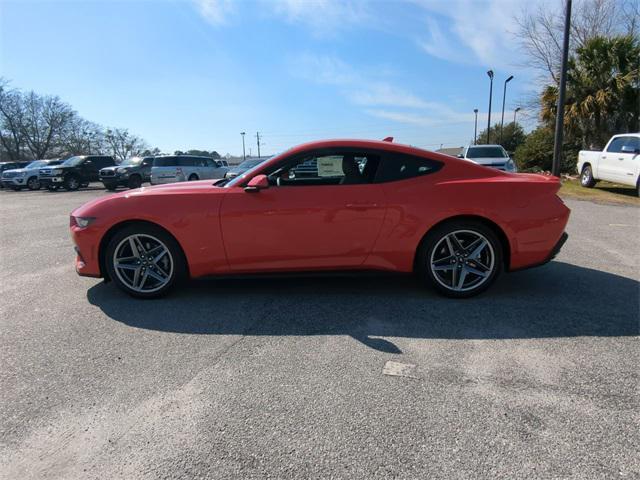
(554, 252)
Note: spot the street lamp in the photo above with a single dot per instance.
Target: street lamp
(504, 95)
(475, 128)
(514, 115)
(490, 73)
(244, 157)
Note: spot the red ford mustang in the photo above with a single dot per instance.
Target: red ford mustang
(329, 205)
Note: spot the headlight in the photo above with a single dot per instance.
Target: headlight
(81, 222)
(57, 171)
(121, 170)
(20, 174)
(510, 166)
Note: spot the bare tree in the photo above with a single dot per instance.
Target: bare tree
(540, 31)
(82, 137)
(124, 144)
(45, 120)
(11, 121)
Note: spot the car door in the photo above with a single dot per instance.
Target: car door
(304, 221)
(608, 166)
(145, 168)
(629, 160)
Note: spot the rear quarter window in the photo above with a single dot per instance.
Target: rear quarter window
(396, 166)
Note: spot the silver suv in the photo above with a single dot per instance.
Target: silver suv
(181, 168)
(493, 156)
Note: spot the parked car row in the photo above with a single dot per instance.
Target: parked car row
(78, 171)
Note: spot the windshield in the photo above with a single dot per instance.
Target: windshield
(247, 164)
(486, 152)
(73, 161)
(37, 164)
(131, 161)
(240, 178)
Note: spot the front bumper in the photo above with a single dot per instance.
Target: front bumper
(14, 182)
(86, 245)
(46, 181)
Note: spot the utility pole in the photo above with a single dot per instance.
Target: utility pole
(557, 143)
(244, 156)
(475, 128)
(258, 140)
(490, 73)
(514, 115)
(504, 95)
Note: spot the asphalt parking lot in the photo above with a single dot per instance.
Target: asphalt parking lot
(283, 378)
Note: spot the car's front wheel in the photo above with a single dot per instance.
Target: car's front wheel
(135, 181)
(71, 183)
(461, 258)
(193, 177)
(144, 261)
(33, 183)
(586, 177)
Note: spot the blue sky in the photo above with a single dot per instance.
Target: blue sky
(193, 74)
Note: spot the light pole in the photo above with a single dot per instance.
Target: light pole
(490, 73)
(557, 143)
(514, 115)
(475, 128)
(504, 95)
(244, 157)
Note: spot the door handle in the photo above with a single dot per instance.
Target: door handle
(603, 156)
(361, 206)
(620, 158)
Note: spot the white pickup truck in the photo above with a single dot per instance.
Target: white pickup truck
(619, 162)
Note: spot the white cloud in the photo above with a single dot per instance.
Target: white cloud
(478, 31)
(215, 12)
(322, 16)
(378, 98)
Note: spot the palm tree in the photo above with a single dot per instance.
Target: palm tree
(603, 88)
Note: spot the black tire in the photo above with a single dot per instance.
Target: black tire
(135, 181)
(16, 189)
(586, 177)
(177, 259)
(110, 186)
(458, 265)
(33, 183)
(71, 183)
(193, 177)
(52, 188)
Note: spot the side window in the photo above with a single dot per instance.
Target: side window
(328, 168)
(397, 166)
(633, 144)
(186, 162)
(616, 144)
(146, 162)
(210, 163)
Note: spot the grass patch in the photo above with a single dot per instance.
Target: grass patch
(604, 192)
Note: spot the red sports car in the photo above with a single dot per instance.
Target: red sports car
(328, 205)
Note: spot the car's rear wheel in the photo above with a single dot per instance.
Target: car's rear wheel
(135, 181)
(586, 177)
(461, 258)
(144, 261)
(71, 183)
(111, 186)
(33, 183)
(193, 177)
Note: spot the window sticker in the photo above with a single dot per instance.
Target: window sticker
(330, 167)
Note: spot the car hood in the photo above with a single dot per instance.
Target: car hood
(489, 161)
(15, 170)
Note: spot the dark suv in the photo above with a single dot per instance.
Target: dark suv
(75, 172)
(130, 173)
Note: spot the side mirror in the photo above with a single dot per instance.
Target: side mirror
(257, 183)
(460, 155)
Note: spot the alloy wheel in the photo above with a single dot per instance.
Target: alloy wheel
(462, 260)
(143, 263)
(33, 183)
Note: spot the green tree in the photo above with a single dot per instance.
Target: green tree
(512, 136)
(536, 153)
